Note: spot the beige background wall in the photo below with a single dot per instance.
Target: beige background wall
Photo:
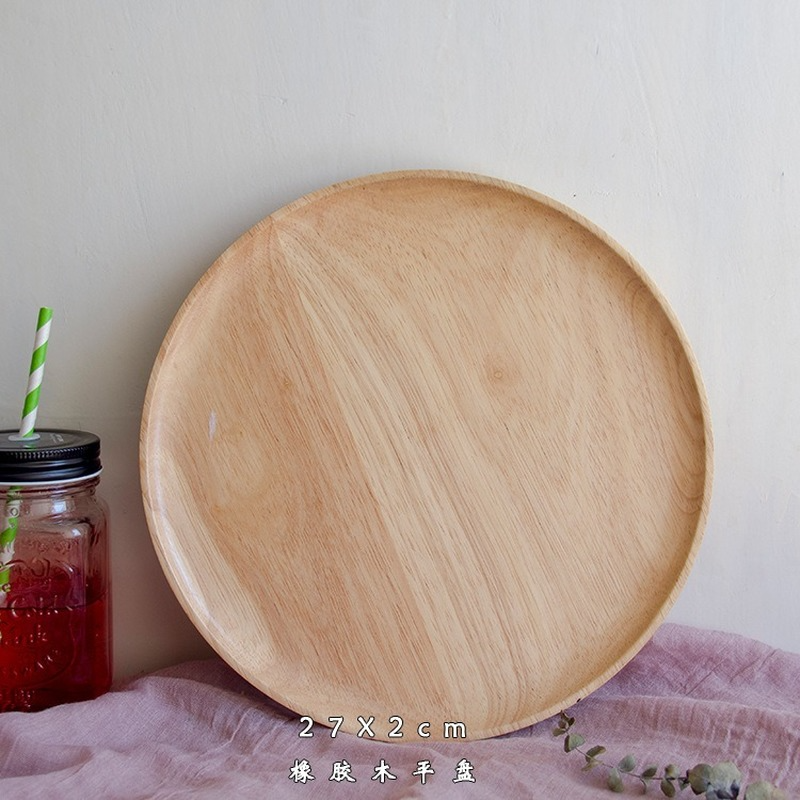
(138, 138)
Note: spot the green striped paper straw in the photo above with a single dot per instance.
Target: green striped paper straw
(31, 406)
(26, 430)
(10, 525)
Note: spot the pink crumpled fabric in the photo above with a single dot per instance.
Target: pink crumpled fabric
(198, 730)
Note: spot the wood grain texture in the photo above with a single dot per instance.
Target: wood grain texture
(426, 444)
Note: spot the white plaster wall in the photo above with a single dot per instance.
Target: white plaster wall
(138, 138)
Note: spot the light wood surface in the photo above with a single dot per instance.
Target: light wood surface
(426, 445)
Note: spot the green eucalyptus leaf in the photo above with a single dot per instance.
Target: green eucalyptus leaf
(591, 763)
(724, 775)
(699, 778)
(672, 771)
(559, 731)
(627, 764)
(763, 790)
(650, 772)
(572, 741)
(595, 751)
(614, 781)
(668, 788)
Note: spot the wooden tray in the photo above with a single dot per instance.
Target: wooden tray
(427, 446)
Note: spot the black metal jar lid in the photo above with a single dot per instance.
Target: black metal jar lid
(49, 456)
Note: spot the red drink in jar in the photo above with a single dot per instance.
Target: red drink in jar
(55, 629)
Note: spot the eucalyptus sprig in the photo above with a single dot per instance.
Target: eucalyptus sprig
(717, 782)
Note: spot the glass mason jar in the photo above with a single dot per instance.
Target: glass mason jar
(55, 615)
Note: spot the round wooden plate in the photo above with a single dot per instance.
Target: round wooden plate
(427, 447)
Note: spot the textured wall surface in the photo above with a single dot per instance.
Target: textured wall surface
(139, 139)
